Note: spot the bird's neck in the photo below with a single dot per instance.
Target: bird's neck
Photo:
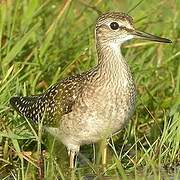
(111, 63)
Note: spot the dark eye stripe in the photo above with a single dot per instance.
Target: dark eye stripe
(125, 28)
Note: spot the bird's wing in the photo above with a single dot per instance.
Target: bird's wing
(52, 104)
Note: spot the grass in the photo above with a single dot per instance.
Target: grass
(44, 41)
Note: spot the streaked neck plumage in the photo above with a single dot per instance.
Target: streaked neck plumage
(111, 62)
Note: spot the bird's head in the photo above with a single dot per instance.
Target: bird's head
(115, 28)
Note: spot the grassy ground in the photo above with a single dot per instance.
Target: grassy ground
(43, 41)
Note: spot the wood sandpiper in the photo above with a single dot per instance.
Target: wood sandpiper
(88, 107)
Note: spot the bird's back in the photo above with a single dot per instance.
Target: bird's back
(52, 104)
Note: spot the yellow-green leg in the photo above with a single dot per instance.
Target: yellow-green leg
(104, 154)
(104, 149)
(72, 159)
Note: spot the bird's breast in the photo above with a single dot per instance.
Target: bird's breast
(104, 110)
(101, 110)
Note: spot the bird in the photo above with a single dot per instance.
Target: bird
(91, 106)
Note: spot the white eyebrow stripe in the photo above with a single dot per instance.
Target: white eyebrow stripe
(125, 24)
(109, 22)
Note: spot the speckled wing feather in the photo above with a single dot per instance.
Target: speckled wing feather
(52, 104)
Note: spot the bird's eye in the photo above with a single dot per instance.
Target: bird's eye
(114, 25)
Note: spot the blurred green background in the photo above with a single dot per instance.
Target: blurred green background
(43, 41)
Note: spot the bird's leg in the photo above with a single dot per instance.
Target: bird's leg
(72, 153)
(72, 159)
(104, 152)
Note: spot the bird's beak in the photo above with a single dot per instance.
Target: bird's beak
(150, 37)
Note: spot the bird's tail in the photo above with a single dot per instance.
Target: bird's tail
(27, 107)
